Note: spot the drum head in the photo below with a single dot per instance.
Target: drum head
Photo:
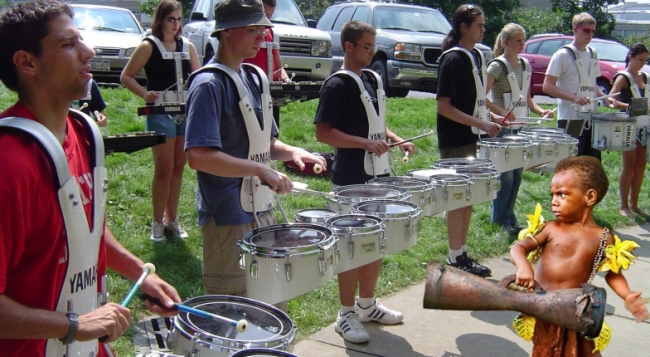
(401, 181)
(355, 223)
(281, 238)
(369, 192)
(314, 215)
(265, 322)
(262, 352)
(385, 208)
(458, 163)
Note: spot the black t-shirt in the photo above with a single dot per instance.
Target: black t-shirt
(341, 107)
(161, 73)
(456, 81)
(626, 93)
(96, 101)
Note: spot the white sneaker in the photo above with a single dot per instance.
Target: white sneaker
(350, 328)
(379, 313)
(157, 233)
(176, 229)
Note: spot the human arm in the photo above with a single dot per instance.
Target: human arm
(550, 87)
(446, 109)
(535, 108)
(284, 152)
(633, 302)
(136, 63)
(404, 147)
(282, 73)
(327, 134)
(194, 58)
(100, 117)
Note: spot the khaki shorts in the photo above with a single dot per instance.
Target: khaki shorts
(468, 150)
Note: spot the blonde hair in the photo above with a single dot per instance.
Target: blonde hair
(583, 18)
(506, 33)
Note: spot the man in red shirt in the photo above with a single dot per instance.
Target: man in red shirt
(46, 63)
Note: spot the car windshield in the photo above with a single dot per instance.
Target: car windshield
(609, 51)
(410, 19)
(286, 12)
(105, 20)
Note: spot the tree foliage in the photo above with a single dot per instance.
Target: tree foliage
(605, 21)
(149, 7)
(536, 21)
(313, 9)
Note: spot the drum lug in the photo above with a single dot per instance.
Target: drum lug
(539, 150)
(488, 187)
(287, 271)
(171, 337)
(196, 352)
(468, 193)
(445, 194)
(242, 262)
(557, 150)
(322, 265)
(350, 247)
(336, 254)
(487, 153)
(507, 154)
(601, 144)
(382, 243)
(253, 269)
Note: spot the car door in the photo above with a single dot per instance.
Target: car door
(198, 29)
(343, 16)
(539, 60)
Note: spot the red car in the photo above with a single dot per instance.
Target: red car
(539, 49)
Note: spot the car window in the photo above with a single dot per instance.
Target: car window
(344, 16)
(410, 19)
(325, 22)
(532, 47)
(105, 20)
(205, 8)
(608, 51)
(287, 12)
(361, 14)
(548, 48)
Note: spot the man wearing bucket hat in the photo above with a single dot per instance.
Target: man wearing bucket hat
(231, 149)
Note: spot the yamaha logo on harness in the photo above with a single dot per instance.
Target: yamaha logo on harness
(83, 280)
(587, 89)
(480, 102)
(173, 109)
(261, 157)
(378, 136)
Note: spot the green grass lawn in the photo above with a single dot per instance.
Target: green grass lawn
(179, 262)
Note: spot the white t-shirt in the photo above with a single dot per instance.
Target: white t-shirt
(563, 66)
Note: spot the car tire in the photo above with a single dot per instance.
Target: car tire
(379, 66)
(604, 87)
(209, 54)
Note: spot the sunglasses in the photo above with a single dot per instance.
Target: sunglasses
(173, 20)
(587, 31)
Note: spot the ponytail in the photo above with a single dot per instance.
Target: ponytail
(498, 46)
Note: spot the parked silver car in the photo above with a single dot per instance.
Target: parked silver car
(113, 33)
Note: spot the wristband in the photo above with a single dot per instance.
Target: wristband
(72, 330)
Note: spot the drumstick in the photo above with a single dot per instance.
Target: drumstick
(281, 68)
(524, 123)
(302, 188)
(147, 269)
(606, 96)
(552, 111)
(241, 325)
(318, 169)
(84, 106)
(405, 159)
(411, 139)
(510, 112)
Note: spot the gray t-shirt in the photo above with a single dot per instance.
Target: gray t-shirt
(501, 85)
(215, 120)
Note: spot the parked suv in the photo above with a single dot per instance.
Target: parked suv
(305, 51)
(408, 42)
(539, 49)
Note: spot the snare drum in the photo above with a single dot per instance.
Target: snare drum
(543, 151)
(565, 146)
(507, 153)
(400, 220)
(262, 352)
(360, 238)
(528, 131)
(313, 215)
(268, 327)
(485, 183)
(459, 163)
(421, 190)
(452, 191)
(283, 261)
(344, 196)
(613, 131)
(642, 124)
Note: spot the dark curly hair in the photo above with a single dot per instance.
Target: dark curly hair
(22, 28)
(589, 173)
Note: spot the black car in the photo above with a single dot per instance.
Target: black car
(408, 42)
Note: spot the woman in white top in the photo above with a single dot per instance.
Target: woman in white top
(634, 161)
(504, 98)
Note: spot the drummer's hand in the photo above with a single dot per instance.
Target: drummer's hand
(300, 156)
(547, 114)
(157, 288)
(277, 181)
(525, 277)
(492, 129)
(101, 118)
(407, 147)
(581, 100)
(610, 102)
(636, 306)
(377, 147)
(110, 320)
(150, 96)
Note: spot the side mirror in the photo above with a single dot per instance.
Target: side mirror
(311, 23)
(197, 16)
(147, 32)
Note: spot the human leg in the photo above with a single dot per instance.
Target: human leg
(500, 213)
(625, 180)
(367, 306)
(347, 321)
(517, 176)
(637, 181)
(171, 210)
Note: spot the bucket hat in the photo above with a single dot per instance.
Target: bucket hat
(229, 14)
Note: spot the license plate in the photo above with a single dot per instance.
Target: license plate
(100, 65)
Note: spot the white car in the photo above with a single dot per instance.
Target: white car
(113, 33)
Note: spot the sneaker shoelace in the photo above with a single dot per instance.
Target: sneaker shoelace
(352, 318)
(385, 310)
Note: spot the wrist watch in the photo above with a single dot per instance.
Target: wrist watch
(72, 330)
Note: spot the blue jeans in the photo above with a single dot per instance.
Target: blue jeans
(503, 207)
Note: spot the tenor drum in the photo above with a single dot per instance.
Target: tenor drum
(485, 183)
(400, 220)
(452, 191)
(507, 153)
(344, 196)
(313, 215)
(642, 126)
(421, 190)
(262, 352)
(528, 131)
(613, 131)
(460, 163)
(283, 261)
(268, 327)
(360, 238)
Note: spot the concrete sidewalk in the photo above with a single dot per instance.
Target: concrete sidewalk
(483, 333)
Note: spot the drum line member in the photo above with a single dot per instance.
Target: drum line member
(161, 68)
(632, 83)
(54, 244)
(508, 78)
(229, 150)
(461, 114)
(92, 104)
(571, 78)
(568, 252)
(268, 57)
(351, 117)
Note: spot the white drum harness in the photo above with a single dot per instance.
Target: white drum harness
(513, 99)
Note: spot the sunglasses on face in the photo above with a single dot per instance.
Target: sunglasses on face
(173, 20)
(256, 31)
(587, 31)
